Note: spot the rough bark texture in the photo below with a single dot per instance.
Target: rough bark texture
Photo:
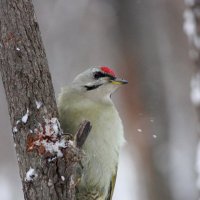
(31, 103)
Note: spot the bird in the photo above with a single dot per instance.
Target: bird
(89, 98)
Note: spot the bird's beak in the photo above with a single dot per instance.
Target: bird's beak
(119, 81)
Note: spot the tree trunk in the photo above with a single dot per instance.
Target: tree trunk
(47, 160)
(191, 28)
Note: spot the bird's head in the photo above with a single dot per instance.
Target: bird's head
(99, 81)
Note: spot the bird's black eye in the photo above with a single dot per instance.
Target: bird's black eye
(98, 75)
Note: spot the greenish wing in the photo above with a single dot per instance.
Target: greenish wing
(112, 186)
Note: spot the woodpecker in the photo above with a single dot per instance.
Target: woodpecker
(89, 98)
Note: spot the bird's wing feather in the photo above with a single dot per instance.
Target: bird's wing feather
(112, 186)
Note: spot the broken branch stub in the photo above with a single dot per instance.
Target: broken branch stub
(82, 133)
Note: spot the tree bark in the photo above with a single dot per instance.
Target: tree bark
(47, 160)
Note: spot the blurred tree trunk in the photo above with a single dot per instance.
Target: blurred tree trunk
(191, 28)
(46, 173)
(152, 44)
(145, 82)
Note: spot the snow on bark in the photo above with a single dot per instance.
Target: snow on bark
(25, 117)
(47, 139)
(53, 147)
(30, 175)
(15, 129)
(38, 104)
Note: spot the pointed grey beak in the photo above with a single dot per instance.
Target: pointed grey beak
(119, 81)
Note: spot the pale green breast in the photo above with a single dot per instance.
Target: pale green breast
(76, 111)
(103, 142)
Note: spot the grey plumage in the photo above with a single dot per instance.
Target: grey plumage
(76, 103)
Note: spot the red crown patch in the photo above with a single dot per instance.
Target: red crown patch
(107, 70)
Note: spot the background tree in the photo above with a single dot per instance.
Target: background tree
(191, 28)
